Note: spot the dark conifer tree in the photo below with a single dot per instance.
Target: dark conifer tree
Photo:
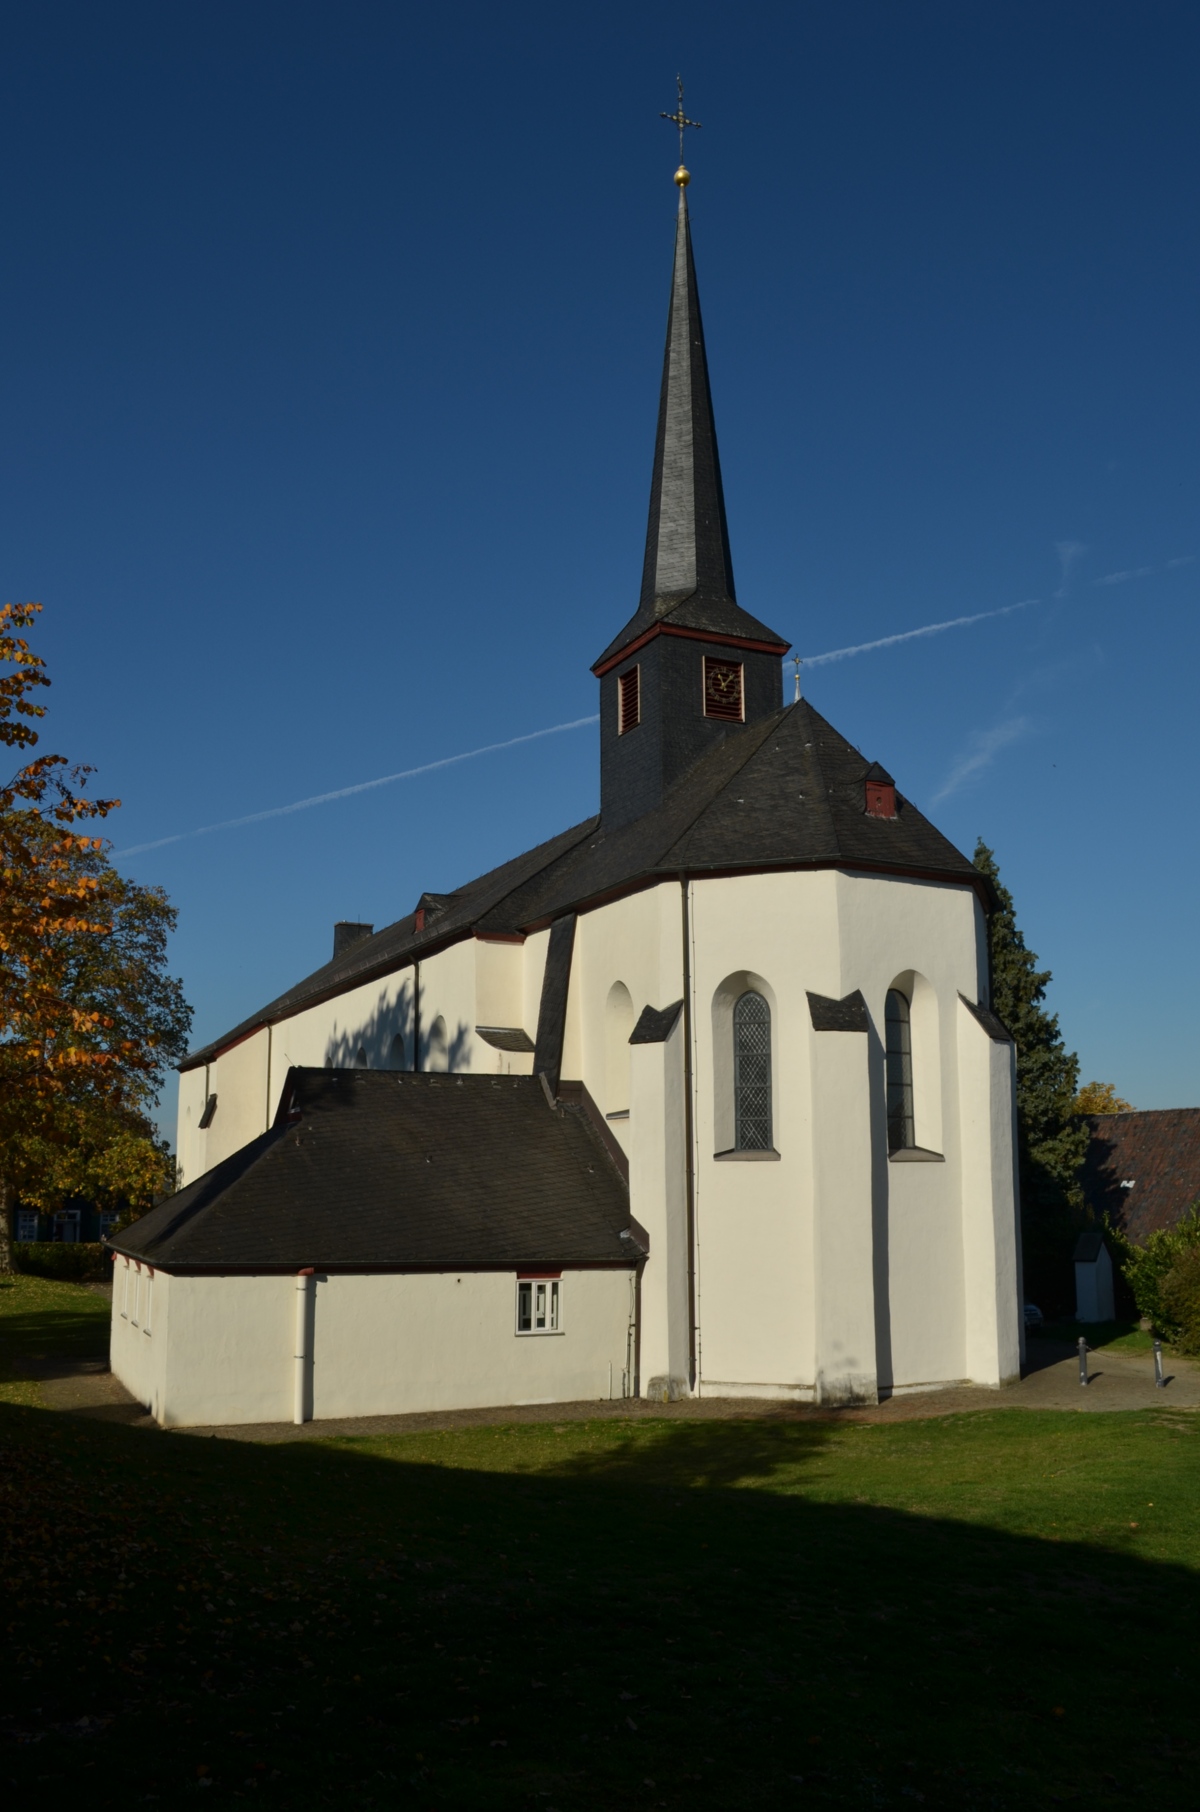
(1051, 1137)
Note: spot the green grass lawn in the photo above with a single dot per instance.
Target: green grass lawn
(1118, 1336)
(996, 1609)
(43, 1320)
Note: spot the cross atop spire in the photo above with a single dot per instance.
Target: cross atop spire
(679, 118)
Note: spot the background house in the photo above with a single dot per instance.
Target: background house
(1142, 1170)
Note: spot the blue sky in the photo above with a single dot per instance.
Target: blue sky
(332, 339)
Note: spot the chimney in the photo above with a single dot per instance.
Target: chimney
(346, 934)
(880, 792)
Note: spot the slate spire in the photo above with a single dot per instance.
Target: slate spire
(687, 575)
(687, 540)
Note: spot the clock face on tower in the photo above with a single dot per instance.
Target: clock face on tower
(723, 690)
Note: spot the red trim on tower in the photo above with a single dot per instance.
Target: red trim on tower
(692, 635)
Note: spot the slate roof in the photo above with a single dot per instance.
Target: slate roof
(784, 793)
(397, 944)
(1158, 1151)
(687, 576)
(373, 1170)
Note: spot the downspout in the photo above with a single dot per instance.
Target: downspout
(689, 1167)
(300, 1346)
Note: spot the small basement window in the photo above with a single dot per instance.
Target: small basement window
(629, 701)
(207, 1117)
(539, 1305)
(723, 690)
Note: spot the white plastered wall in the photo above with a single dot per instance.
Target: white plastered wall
(922, 936)
(658, 1186)
(990, 1200)
(472, 982)
(239, 1078)
(139, 1338)
(382, 1345)
(500, 1001)
(754, 1219)
(637, 941)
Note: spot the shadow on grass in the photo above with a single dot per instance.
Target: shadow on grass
(50, 1342)
(612, 1621)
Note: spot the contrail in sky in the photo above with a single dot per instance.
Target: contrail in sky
(363, 786)
(910, 635)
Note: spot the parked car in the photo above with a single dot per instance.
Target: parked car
(1033, 1315)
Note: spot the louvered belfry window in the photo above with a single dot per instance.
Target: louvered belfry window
(629, 701)
(900, 1126)
(723, 690)
(752, 1074)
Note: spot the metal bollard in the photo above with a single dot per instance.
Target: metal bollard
(1083, 1353)
(1160, 1382)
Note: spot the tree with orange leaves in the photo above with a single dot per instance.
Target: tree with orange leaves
(89, 1018)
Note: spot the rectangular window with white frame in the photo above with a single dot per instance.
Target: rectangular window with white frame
(147, 1301)
(125, 1290)
(539, 1305)
(27, 1225)
(137, 1292)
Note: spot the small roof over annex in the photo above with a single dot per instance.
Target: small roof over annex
(369, 1170)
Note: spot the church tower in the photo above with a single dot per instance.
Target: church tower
(691, 667)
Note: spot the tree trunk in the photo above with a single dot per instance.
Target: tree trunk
(6, 1243)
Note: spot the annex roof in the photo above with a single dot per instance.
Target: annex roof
(1143, 1169)
(373, 1170)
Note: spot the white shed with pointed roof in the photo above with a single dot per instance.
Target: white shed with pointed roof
(1093, 1278)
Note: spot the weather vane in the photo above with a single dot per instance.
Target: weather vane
(797, 663)
(679, 118)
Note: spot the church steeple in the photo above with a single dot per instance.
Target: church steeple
(687, 574)
(690, 663)
(687, 539)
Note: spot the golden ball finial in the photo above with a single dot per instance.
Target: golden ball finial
(683, 176)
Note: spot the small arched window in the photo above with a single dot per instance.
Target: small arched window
(752, 1073)
(397, 1055)
(438, 1057)
(897, 1017)
(360, 1062)
(618, 1024)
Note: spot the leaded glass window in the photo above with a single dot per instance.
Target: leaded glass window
(752, 1074)
(899, 1073)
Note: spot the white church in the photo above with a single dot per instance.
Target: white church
(703, 1097)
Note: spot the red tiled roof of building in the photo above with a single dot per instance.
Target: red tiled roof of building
(1143, 1169)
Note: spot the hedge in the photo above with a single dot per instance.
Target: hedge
(83, 1262)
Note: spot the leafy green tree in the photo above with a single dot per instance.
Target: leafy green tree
(1051, 1138)
(89, 1018)
(1179, 1294)
(1161, 1274)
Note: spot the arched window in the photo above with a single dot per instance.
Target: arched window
(360, 1062)
(900, 1127)
(397, 1055)
(752, 1074)
(438, 1057)
(618, 1024)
